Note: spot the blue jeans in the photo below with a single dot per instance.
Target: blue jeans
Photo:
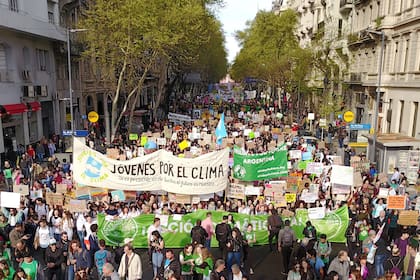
(81, 238)
(408, 277)
(70, 272)
(379, 265)
(233, 256)
(157, 259)
(207, 243)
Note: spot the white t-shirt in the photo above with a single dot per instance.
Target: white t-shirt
(44, 237)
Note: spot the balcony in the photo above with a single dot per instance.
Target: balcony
(23, 22)
(355, 78)
(346, 6)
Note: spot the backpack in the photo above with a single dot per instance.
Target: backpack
(196, 235)
(221, 232)
(287, 238)
(395, 268)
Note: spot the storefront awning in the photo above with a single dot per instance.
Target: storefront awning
(13, 109)
(34, 106)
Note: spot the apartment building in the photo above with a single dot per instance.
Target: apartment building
(29, 30)
(399, 20)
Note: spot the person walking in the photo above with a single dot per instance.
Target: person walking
(198, 234)
(222, 234)
(156, 246)
(341, 265)
(207, 224)
(274, 224)
(286, 239)
(130, 267)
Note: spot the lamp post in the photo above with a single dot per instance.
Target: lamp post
(378, 92)
(69, 70)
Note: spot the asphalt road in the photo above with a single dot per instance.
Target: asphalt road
(267, 265)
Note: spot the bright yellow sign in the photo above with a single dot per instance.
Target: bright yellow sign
(348, 116)
(93, 117)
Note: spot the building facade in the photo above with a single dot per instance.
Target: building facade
(29, 30)
(354, 28)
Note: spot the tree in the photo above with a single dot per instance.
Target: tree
(128, 39)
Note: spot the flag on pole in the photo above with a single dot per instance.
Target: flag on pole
(221, 130)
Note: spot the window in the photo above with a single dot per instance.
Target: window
(395, 60)
(401, 115)
(407, 55)
(42, 59)
(416, 112)
(340, 27)
(26, 58)
(3, 57)
(51, 17)
(13, 5)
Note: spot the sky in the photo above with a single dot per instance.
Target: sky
(234, 14)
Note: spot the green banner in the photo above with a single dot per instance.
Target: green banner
(179, 227)
(258, 167)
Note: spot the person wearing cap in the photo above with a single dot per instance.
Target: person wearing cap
(53, 259)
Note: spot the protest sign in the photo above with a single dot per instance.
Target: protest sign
(383, 193)
(295, 154)
(276, 187)
(35, 194)
(309, 197)
(117, 196)
(316, 213)
(83, 193)
(290, 197)
(22, 189)
(60, 188)
(340, 189)
(272, 164)
(56, 199)
(76, 206)
(252, 190)
(417, 207)
(314, 168)
(306, 156)
(161, 141)
(236, 191)
(408, 218)
(160, 170)
(280, 200)
(334, 225)
(292, 184)
(179, 198)
(396, 202)
(10, 199)
(357, 179)
(342, 175)
(336, 160)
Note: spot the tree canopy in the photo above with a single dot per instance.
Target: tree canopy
(270, 51)
(130, 40)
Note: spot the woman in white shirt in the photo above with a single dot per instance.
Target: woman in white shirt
(56, 224)
(68, 224)
(42, 236)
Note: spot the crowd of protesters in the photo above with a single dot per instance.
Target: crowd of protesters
(40, 241)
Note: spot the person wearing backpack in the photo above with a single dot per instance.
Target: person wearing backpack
(274, 224)
(395, 263)
(198, 234)
(287, 238)
(222, 234)
(323, 249)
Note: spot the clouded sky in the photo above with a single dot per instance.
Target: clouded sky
(234, 15)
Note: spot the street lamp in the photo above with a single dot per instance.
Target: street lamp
(378, 91)
(69, 69)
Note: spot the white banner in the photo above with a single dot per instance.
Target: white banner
(316, 213)
(342, 175)
(160, 170)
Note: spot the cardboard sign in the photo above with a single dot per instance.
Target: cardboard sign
(198, 123)
(54, 198)
(161, 141)
(236, 191)
(252, 191)
(76, 206)
(22, 189)
(316, 213)
(408, 218)
(292, 184)
(10, 199)
(61, 188)
(357, 179)
(179, 198)
(396, 202)
(275, 187)
(309, 197)
(280, 201)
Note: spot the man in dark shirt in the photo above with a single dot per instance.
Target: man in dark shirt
(170, 266)
(223, 231)
(53, 258)
(111, 211)
(274, 224)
